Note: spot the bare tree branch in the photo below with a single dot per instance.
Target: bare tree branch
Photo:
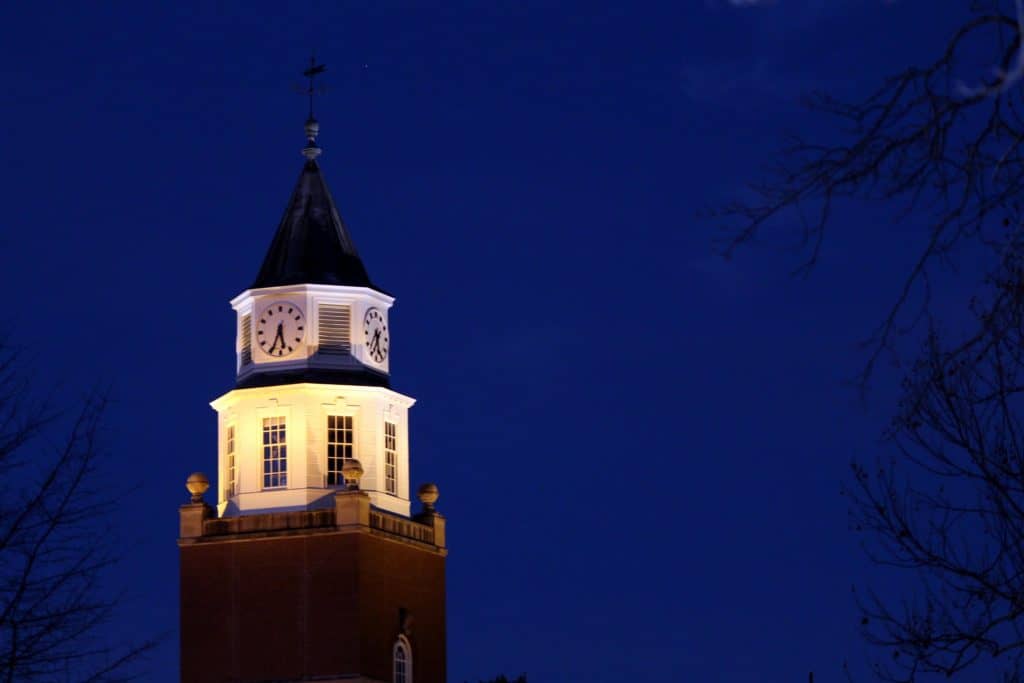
(953, 161)
(946, 503)
(54, 542)
(1002, 79)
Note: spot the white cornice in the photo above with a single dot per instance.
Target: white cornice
(336, 290)
(224, 401)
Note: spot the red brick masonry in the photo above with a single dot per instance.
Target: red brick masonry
(296, 597)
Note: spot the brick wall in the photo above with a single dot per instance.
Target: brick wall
(309, 604)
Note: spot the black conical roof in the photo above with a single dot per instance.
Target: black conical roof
(311, 245)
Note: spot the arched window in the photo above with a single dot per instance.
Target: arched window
(402, 656)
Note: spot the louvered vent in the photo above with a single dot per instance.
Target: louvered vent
(334, 329)
(246, 339)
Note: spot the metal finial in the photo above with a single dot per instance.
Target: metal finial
(311, 73)
(311, 151)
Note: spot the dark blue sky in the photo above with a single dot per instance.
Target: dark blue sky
(639, 446)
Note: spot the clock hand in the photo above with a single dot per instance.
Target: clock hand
(279, 336)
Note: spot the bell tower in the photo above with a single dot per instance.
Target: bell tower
(310, 565)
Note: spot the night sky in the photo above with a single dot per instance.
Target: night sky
(640, 446)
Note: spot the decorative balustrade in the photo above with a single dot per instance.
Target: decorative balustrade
(273, 521)
(401, 527)
(277, 522)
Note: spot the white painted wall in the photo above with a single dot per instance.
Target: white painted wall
(305, 408)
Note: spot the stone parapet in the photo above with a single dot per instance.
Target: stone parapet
(193, 518)
(352, 512)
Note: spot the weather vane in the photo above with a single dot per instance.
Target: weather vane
(311, 73)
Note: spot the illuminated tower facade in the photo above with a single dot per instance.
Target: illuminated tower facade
(310, 565)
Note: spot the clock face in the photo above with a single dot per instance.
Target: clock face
(280, 329)
(375, 332)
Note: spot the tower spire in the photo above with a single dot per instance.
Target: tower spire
(311, 151)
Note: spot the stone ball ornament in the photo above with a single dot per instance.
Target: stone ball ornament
(352, 471)
(428, 494)
(197, 484)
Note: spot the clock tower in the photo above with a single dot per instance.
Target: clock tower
(310, 565)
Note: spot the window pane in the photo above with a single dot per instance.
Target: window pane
(275, 452)
(390, 458)
(400, 664)
(340, 447)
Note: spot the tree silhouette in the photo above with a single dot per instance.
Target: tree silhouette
(54, 542)
(944, 147)
(939, 152)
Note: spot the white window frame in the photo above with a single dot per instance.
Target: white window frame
(391, 457)
(278, 424)
(401, 645)
(231, 461)
(348, 449)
